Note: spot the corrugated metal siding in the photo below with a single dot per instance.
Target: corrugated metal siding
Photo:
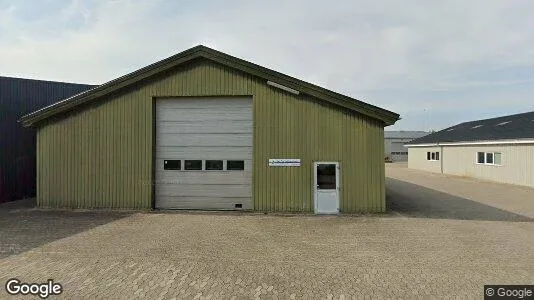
(17, 144)
(99, 158)
(299, 127)
(517, 163)
(117, 135)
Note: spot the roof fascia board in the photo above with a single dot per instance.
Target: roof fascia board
(497, 142)
(422, 145)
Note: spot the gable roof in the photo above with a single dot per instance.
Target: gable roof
(403, 134)
(513, 127)
(200, 51)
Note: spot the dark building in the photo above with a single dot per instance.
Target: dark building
(17, 144)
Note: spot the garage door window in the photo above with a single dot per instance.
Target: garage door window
(172, 164)
(235, 165)
(193, 165)
(214, 165)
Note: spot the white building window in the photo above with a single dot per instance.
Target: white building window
(432, 156)
(489, 158)
(481, 158)
(497, 156)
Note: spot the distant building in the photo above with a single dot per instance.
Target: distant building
(394, 142)
(498, 149)
(17, 144)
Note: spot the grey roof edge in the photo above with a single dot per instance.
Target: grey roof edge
(404, 134)
(474, 142)
(386, 116)
(521, 127)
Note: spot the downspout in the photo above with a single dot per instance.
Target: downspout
(441, 160)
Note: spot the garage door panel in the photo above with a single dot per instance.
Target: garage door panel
(203, 175)
(215, 203)
(238, 153)
(219, 128)
(212, 180)
(206, 190)
(233, 126)
(206, 115)
(228, 177)
(213, 103)
(205, 140)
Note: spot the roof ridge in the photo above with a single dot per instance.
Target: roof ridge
(386, 116)
(516, 126)
(502, 117)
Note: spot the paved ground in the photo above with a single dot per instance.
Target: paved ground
(23, 228)
(439, 192)
(404, 254)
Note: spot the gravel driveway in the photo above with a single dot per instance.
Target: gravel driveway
(254, 256)
(109, 255)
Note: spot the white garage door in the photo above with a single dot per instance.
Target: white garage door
(204, 153)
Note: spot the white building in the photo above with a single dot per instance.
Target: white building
(498, 149)
(394, 142)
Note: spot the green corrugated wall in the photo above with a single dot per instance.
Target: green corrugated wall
(101, 156)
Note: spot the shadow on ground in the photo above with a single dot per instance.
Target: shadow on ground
(22, 227)
(413, 200)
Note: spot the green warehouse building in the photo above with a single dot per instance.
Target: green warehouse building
(206, 130)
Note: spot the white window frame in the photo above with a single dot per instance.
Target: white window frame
(436, 154)
(485, 158)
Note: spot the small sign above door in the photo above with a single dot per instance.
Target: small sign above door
(284, 162)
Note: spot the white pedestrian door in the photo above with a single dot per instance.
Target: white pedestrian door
(326, 182)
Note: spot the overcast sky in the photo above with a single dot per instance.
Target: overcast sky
(436, 63)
